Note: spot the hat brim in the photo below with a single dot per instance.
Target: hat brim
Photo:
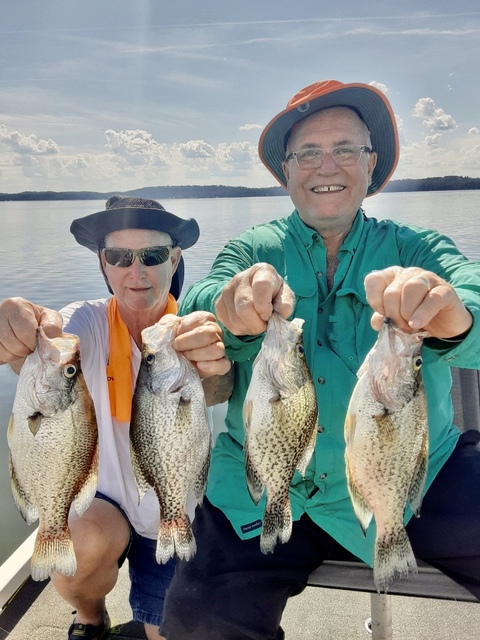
(90, 231)
(374, 110)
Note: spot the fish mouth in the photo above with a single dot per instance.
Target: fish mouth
(401, 342)
(331, 188)
(394, 351)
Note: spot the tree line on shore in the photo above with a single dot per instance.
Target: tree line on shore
(447, 183)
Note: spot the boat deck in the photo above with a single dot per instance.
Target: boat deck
(37, 613)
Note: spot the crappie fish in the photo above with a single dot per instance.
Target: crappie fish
(170, 437)
(386, 453)
(280, 418)
(52, 436)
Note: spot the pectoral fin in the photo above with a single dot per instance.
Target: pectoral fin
(34, 423)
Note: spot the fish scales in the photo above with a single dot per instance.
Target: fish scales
(280, 419)
(52, 436)
(170, 437)
(386, 453)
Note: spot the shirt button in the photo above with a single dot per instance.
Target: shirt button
(319, 343)
(321, 380)
(320, 310)
(319, 274)
(320, 428)
(323, 476)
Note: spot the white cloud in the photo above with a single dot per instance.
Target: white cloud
(136, 146)
(249, 127)
(433, 117)
(379, 85)
(432, 141)
(22, 144)
(196, 149)
(474, 131)
(239, 152)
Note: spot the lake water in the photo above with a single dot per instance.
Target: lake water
(42, 262)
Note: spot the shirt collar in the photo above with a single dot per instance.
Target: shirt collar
(309, 236)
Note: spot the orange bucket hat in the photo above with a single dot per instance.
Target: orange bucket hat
(369, 103)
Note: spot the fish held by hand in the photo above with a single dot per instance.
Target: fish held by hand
(386, 454)
(170, 437)
(52, 436)
(280, 419)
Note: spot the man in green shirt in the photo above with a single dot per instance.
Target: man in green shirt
(333, 145)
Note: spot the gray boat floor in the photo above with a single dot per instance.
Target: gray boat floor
(37, 613)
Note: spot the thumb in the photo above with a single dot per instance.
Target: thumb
(51, 322)
(284, 301)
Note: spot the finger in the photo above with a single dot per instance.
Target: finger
(209, 350)
(284, 302)
(439, 301)
(193, 320)
(375, 284)
(238, 316)
(377, 321)
(167, 318)
(208, 368)
(52, 322)
(199, 337)
(415, 299)
(404, 290)
(19, 321)
(408, 300)
(267, 286)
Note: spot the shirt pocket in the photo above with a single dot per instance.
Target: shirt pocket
(350, 333)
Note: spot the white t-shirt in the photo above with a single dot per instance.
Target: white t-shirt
(88, 320)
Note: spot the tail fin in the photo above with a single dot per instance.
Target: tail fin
(175, 536)
(53, 554)
(277, 523)
(393, 558)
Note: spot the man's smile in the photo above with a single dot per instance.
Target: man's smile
(327, 188)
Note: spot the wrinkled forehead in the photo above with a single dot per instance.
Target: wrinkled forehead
(137, 238)
(342, 123)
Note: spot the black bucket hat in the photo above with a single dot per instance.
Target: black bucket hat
(369, 102)
(124, 212)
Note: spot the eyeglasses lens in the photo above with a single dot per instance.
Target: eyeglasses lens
(343, 155)
(150, 256)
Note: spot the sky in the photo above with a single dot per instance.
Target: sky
(113, 95)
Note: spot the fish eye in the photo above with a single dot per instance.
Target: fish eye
(417, 363)
(301, 350)
(69, 371)
(150, 358)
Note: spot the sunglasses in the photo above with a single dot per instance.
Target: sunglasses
(149, 256)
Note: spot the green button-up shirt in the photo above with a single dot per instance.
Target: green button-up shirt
(337, 337)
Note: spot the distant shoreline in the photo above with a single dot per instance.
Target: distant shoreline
(447, 183)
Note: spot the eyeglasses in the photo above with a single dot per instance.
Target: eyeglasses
(344, 155)
(149, 256)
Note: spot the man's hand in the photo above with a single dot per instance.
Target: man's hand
(200, 339)
(249, 299)
(416, 300)
(19, 320)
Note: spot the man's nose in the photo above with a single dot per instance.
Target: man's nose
(328, 163)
